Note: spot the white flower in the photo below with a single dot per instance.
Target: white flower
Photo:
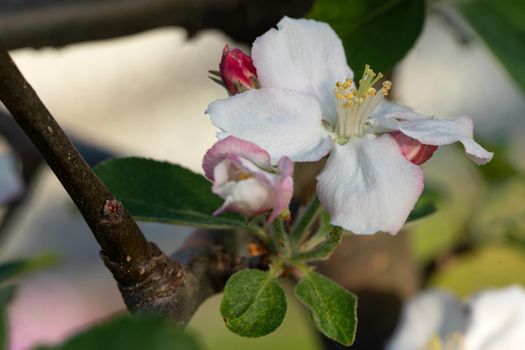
(491, 320)
(369, 183)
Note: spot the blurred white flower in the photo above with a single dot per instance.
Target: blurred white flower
(436, 320)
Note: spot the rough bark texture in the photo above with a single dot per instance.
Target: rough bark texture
(38, 23)
(149, 280)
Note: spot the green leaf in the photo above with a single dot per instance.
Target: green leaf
(164, 192)
(139, 332)
(254, 304)
(500, 215)
(501, 24)
(375, 32)
(15, 268)
(332, 308)
(6, 295)
(323, 250)
(425, 205)
(500, 168)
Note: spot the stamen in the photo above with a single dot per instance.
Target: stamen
(243, 175)
(355, 105)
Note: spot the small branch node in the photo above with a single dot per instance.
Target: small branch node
(112, 211)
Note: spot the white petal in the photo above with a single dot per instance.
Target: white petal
(249, 197)
(497, 320)
(386, 107)
(429, 314)
(388, 116)
(368, 186)
(303, 55)
(283, 122)
(429, 130)
(438, 132)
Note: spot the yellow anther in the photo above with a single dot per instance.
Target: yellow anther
(387, 85)
(355, 103)
(244, 175)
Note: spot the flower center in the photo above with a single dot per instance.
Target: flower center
(454, 341)
(243, 175)
(355, 105)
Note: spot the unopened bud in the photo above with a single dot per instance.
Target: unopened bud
(237, 71)
(413, 150)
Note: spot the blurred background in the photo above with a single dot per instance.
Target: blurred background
(143, 89)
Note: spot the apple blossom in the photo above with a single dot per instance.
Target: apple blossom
(491, 320)
(237, 71)
(244, 177)
(308, 106)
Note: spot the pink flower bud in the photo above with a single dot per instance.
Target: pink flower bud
(243, 176)
(237, 71)
(412, 149)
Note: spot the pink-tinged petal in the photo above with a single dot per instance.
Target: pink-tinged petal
(237, 71)
(412, 149)
(283, 188)
(247, 187)
(232, 146)
(285, 123)
(302, 55)
(368, 185)
(11, 184)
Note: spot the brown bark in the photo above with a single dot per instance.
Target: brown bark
(149, 280)
(41, 23)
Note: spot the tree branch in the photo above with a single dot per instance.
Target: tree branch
(202, 266)
(40, 23)
(114, 229)
(148, 279)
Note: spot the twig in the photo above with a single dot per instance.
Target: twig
(148, 279)
(114, 229)
(57, 23)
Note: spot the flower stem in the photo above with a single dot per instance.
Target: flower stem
(302, 226)
(259, 232)
(281, 236)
